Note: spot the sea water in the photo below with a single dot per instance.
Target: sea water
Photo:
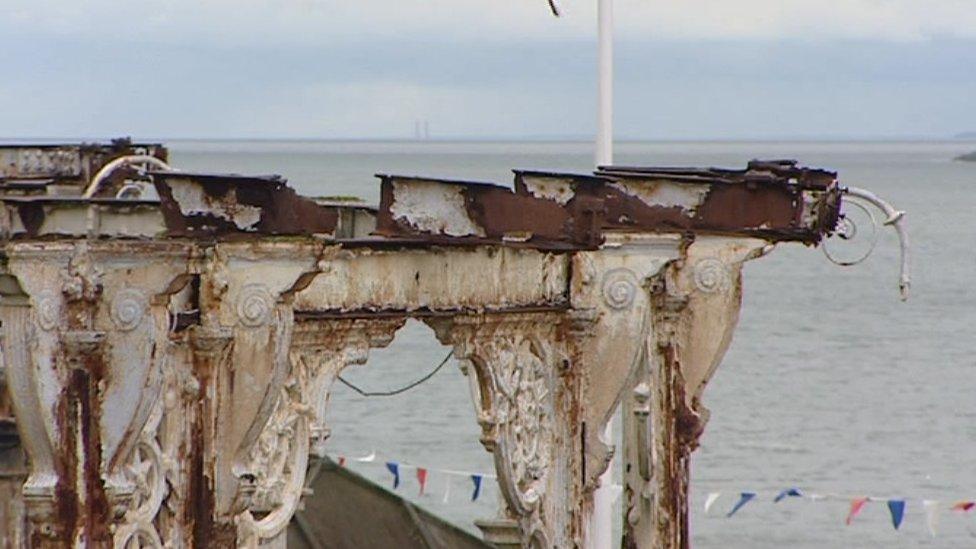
(831, 385)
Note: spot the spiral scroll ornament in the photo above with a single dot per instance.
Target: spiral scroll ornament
(254, 305)
(619, 288)
(711, 275)
(128, 309)
(48, 310)
(855, 236)
(138, 536)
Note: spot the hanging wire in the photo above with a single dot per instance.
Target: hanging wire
(403, 389)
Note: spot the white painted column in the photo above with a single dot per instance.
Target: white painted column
(600, 535)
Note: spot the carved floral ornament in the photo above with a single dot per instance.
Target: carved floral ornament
(147, 471)
(320, 351)
(48, 310)
(255, 305)
(711, 275)
(516, 362)
(128, 308)
(619, 288)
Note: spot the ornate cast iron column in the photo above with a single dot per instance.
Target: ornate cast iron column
(320, 350)
(526, 394)
(694, 309)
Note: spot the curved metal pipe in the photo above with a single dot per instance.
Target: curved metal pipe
(107, 169)
(896, 219)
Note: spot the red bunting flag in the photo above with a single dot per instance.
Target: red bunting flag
(342, 461)
(422, 478)
(964, 506)
(856, 506)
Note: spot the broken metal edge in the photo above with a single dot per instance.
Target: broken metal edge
(776, 201)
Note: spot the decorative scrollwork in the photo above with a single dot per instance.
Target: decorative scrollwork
(48, 307)
(855, 236)
(128, 309)
(279, 460)
(711, 275)
(254, 305)
(522, 415)
(82, 279)
(516, 362)
(619, 288)
(137, 536)
(146, 470)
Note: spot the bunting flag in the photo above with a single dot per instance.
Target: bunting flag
(897, 509)
(789, 492)
(710, 500)
(744, 498)
(476, 479)
(394, 468)
(931, 515)
(856, 505)
(447, 488)
(422, 478)
(964, 506)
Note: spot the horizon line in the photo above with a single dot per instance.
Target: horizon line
(960, 137)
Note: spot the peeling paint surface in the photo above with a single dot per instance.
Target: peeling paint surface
(193, 200)
(666, 194)
(170, 361)
(433, 207)
(551, 188)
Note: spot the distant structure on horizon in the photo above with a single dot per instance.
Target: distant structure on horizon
(421, 129)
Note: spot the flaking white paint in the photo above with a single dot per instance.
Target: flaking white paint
(194, 201)
(433, 207)
(556, 189)
(666, 194)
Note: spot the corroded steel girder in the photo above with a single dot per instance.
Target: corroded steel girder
(170, 360)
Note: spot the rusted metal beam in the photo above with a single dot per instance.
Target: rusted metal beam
(776, 201)
(202, 332)
(209, 205)
(64, 168)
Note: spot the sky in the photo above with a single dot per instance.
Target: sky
(485, 69)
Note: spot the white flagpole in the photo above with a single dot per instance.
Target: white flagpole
(604, 123)
(601, 523)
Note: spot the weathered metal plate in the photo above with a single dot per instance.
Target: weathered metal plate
(72, 164)
(208, 205)
(772, 200)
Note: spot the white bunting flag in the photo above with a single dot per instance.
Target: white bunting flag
(367, 459)
(710, 500)
(931, 515)
(447, 488)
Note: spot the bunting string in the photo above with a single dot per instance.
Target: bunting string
(896, 506)
(395, 468)
(857, 503)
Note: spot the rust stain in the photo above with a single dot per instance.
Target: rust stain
(672, 520)
(765, 200)
(281, 210)
(199, 510)
(66, 466)
(97, 509)
(79, 417)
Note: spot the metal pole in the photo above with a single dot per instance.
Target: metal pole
(600, 535)
(604, 123)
